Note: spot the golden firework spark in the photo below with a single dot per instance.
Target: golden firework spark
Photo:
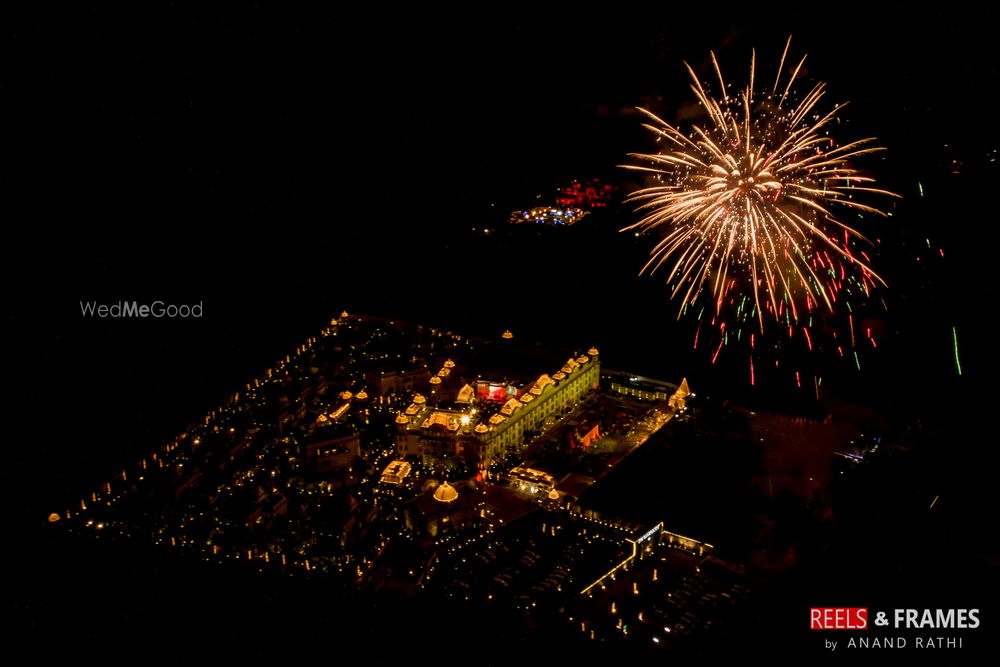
(750, 203)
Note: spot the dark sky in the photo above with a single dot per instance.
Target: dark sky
(171, 122)
(172, 126)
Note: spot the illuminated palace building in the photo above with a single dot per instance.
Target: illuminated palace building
(479, 420)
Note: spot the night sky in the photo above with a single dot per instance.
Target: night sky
(280, 166)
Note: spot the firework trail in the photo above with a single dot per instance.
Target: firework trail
(750, 203)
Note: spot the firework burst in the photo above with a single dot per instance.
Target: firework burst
(750, 203)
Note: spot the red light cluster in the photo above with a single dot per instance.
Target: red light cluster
(592, 194)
